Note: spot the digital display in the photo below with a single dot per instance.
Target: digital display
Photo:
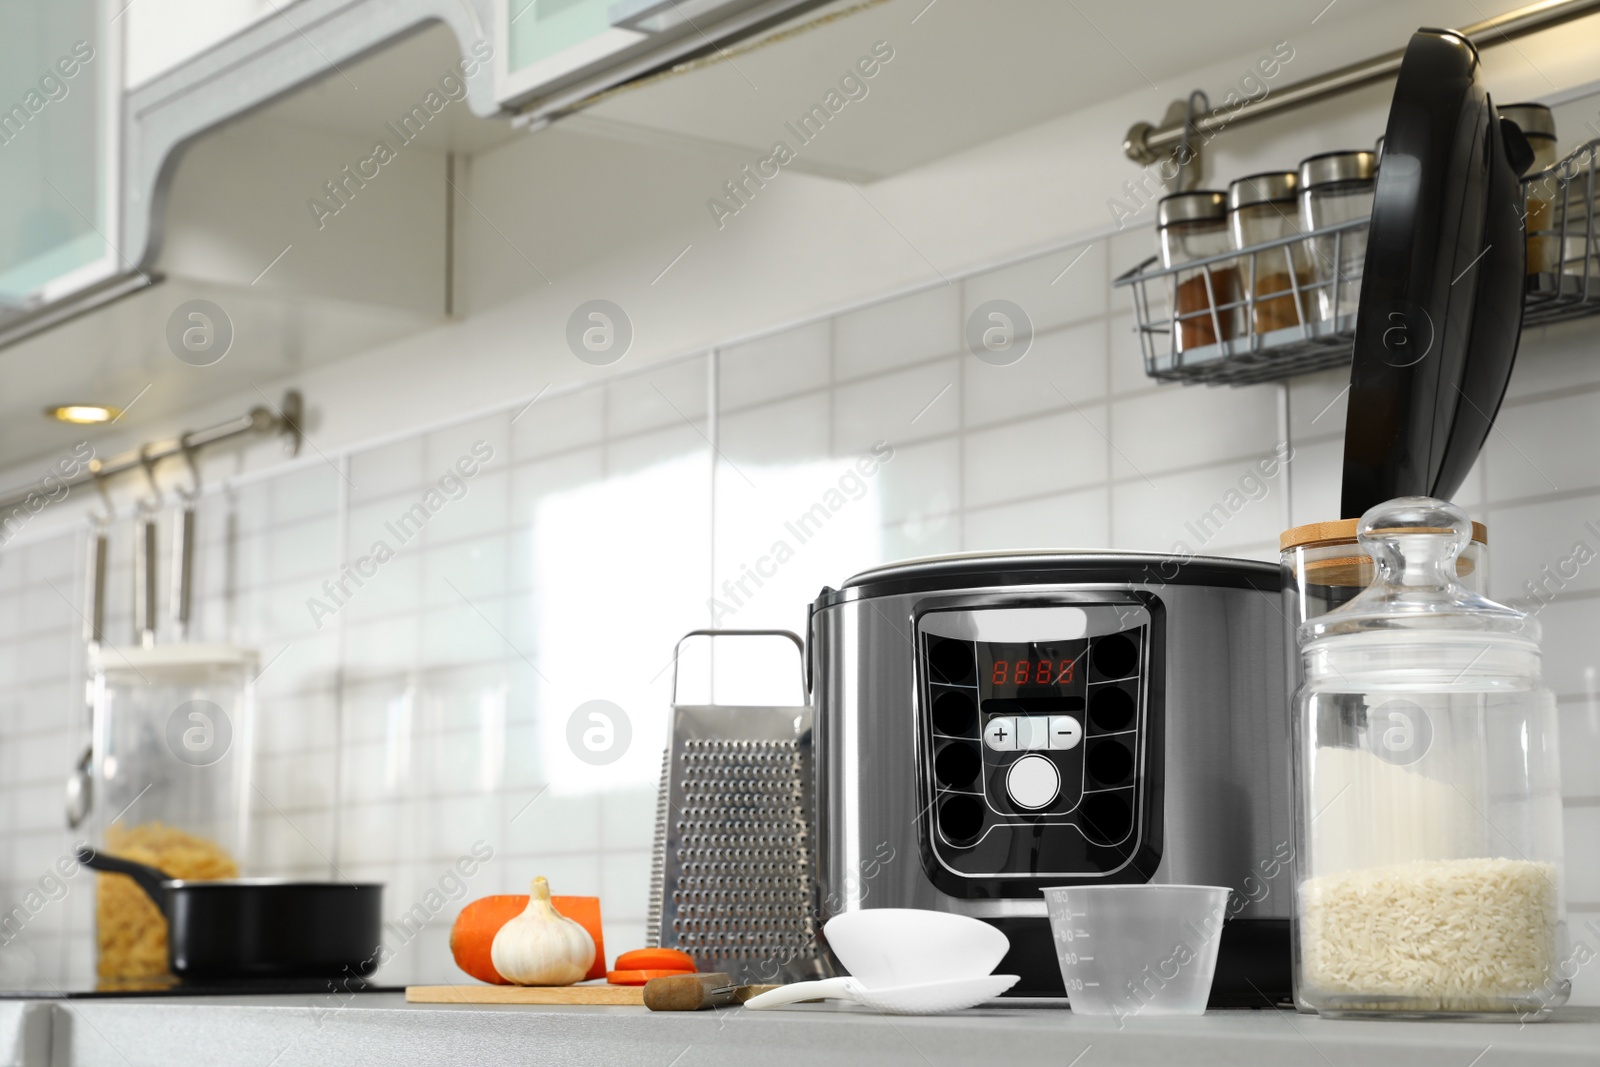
(1033, 672)
(1050, 673)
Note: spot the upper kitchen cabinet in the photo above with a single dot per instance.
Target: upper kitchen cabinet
(558, 52)
(161, 34)
(60, 86)
(103, 98)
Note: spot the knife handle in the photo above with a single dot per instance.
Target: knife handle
(696, 992)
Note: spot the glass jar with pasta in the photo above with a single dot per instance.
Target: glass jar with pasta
(172, 741)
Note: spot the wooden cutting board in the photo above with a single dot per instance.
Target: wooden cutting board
(626, 995)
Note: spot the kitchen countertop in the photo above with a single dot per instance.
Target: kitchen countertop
(381, 1029)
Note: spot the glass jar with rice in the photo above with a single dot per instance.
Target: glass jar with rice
(1427, 786)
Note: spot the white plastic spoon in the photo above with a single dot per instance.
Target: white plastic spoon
(925, 999)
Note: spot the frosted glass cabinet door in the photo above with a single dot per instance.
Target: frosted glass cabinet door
(555, 49)
(59, 90)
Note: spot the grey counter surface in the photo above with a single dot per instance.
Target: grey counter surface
(381, 1029)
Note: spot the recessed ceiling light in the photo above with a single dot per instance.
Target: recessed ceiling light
(82, 413)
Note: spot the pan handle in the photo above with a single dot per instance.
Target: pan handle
(152, 881)
(678, 649)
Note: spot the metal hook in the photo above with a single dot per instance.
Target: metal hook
(188, 450)
(97, 472)
(153, 502)
(1187, 153)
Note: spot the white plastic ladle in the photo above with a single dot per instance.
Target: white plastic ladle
(925, 999)
(906, 961)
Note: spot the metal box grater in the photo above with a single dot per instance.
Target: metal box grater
(733, 869)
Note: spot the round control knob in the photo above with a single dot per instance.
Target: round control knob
(1033, 782)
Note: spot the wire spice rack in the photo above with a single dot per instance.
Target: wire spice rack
(1286, 307)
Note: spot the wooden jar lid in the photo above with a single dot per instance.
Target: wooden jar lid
(1343, 531)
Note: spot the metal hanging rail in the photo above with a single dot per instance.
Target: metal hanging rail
(1147, 143)
(260, 419)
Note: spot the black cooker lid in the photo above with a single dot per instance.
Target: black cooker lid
(1441, 295)
(976, 569)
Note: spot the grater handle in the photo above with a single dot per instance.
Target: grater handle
(791, 635)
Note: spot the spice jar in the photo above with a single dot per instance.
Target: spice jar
(1335, 188)
(1262, 208)
(1427, 792)
(1194, 226)
(1539, 127)
(171, 759)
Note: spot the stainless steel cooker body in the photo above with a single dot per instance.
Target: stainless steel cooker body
(1206, 796)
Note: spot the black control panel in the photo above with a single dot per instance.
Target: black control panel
(1035, 750)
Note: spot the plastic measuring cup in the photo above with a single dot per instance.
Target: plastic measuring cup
(1131, 950)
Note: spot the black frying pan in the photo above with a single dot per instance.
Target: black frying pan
(260, 928)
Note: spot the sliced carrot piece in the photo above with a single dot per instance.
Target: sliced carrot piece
(640, 977)
(655, 959)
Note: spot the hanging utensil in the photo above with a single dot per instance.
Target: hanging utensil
(183, 546)
(80, 783)
(144, 560)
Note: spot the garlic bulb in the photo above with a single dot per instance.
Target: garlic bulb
(541, 946)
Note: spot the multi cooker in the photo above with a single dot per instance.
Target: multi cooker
(989, 725)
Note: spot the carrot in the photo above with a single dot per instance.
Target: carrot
(640, 977)
(472, 936)
(474, 930)
(585, 911)
(655, 959)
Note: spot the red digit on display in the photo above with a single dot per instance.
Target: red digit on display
(999, 676)
(1042, 675)
(1066, 672)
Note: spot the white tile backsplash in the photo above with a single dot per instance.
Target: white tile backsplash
(1062, 366)
(921, 482)
(1545, 447)
(1035, 457)
(431, 709)
(387, 470)
(900, 407)
(558, 424)
(782, 365)
(1178, 428)
(1069, 520)
(777, 433)
(1195, 511)
(668, 396)
(910, 329)
(1127, 356)
(1066, 286)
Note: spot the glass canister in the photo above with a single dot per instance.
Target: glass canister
(1427, 792)
(171, 759)
(1262, 208)
(1538, 125)
(1337, 187)
(1325, 567)
(1191, 226)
